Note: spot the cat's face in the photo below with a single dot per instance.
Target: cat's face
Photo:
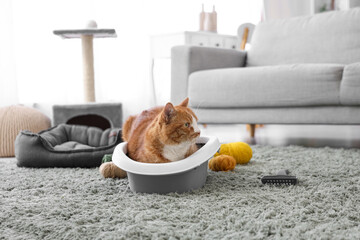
(179, 123)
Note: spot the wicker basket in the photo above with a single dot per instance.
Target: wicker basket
(16, 118)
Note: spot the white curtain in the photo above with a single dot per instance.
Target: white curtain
(8, 83)
(38, 67)
(277, 9)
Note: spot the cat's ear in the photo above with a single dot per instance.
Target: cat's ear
(168, 112)
(185, 102)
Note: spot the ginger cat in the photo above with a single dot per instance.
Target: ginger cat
(162, 134)
(158, 135)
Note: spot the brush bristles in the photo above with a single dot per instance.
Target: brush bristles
(287, 180)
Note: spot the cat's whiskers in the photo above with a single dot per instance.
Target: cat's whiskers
(197, 107)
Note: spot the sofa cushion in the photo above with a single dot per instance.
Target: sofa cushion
(350, 85)
(271, 86)
(331, 37)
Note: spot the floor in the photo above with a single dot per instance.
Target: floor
(284, 135)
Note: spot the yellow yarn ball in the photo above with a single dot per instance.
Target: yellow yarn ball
(241, 151)
(222, 163)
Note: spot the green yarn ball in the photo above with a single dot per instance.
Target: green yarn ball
(107, 158)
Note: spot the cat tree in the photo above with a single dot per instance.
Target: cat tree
(91, 31)
(102, 115)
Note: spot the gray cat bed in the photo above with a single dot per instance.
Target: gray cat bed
(65, 146)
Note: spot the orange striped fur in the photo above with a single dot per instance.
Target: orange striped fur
(162, 134)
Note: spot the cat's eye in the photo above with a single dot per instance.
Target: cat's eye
(187, 124)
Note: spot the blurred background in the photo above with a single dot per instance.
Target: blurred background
(38, 67)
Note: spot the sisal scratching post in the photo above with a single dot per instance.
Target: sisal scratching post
(87, 35)
(88, 67)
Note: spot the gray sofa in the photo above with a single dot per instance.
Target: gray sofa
(303, 70)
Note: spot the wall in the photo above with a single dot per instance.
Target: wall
(49, 69)
(277, 9)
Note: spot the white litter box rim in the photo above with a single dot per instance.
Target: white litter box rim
(202, 155)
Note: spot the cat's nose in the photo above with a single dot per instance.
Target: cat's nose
(196, 134)
(196, 130)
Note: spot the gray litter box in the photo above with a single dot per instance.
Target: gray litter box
(181, 176)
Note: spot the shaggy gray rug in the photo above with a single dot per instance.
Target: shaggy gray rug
(79, 204)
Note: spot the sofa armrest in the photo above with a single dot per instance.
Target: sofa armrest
(188, 59)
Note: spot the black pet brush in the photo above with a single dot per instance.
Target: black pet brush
(281, 177)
